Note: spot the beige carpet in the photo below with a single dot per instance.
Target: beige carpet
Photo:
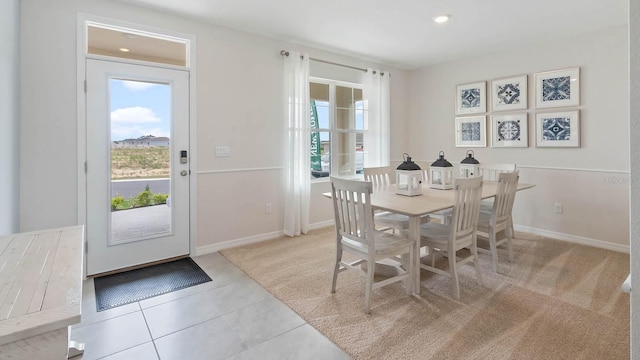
(556, 301)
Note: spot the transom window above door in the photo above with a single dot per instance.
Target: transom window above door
(108, 40)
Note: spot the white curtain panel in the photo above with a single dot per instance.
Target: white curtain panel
(377, 118)
(297, 160)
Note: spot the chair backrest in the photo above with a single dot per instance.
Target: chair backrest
(492, 171)
(382, 175)
(352, 209)
(466, 210)
(505, 196)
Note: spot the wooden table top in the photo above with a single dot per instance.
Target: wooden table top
(431, 200)
(40, 282)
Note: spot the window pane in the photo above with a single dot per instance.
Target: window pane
(345, 119)
(350, 157)
(344, 97)
(321, 163)
(319, 91)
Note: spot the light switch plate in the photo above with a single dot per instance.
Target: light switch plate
(223, 151)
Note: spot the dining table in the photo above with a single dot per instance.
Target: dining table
(384, 197)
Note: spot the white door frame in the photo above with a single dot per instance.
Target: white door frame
(81, 113)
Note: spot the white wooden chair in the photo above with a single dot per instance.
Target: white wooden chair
(491, 172)
(499, 218)
(459, 234)
(356, 235)
(381, 176)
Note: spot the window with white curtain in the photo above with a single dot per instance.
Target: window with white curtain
(338, 126)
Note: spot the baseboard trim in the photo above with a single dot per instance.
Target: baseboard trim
(208, 249)
(573, 238)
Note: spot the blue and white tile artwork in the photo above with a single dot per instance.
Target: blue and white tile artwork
(558, 88)
(470, 98)
(556, 128)
(470, 131)
(509, 130)
(508, 94)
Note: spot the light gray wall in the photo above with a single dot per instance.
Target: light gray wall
(591, 181)
(9, 115)
(634, 74)
(238, 104)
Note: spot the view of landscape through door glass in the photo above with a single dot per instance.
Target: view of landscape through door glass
(140, 159)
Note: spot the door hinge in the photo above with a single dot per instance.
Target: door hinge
(85, 167)
(86, 247)
(85, 86)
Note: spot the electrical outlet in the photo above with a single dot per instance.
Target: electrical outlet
(558, 208)
(267, 208)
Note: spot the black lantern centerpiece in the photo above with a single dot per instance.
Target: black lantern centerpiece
(469, 166)
(408, 178)
(441, 174)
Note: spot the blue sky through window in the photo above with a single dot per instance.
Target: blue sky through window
(139, 108)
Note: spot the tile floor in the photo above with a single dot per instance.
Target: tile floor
(230, 317)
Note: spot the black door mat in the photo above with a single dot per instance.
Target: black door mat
(139, 284)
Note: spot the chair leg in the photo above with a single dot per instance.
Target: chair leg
(510, 235)
(369, 286)
(494, 249)
(453, 262)
(476, 262)
(336, 269)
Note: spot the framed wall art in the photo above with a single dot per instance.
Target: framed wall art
(509, 93)
(559, 88)
(471, 131)
(558, 129)
(471, 98)
(509, 130)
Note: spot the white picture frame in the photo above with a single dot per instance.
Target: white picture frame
(510, 130)
(558, 129)
(471, 131)
(509, 93)
(558, 88)
(471, 98)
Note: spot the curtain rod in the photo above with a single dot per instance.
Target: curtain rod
(286, 53)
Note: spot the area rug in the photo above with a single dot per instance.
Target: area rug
(139, 284)
(557, 300)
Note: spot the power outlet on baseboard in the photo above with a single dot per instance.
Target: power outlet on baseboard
(558, 208)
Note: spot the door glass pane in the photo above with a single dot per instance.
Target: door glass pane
(140, 160)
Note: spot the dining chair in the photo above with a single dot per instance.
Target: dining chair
(460, 233)
(355, 234)
(498, 220)
(491, 172)
(381, 176)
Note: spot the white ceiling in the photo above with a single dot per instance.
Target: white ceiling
(401, 32)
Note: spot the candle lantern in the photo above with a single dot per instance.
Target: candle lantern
(469, 166)
(408, 178)
(441, 174)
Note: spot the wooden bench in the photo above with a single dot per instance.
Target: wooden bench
(40, 292)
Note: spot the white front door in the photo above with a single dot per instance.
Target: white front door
(137, 164)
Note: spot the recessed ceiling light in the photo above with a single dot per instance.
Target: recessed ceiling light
(124, 50)
(442, 18)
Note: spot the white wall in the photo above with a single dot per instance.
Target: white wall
(9, 115)
(634, 74)
(239, 104)
(590, 181)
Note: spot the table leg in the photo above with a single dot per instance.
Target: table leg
(414, 233)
